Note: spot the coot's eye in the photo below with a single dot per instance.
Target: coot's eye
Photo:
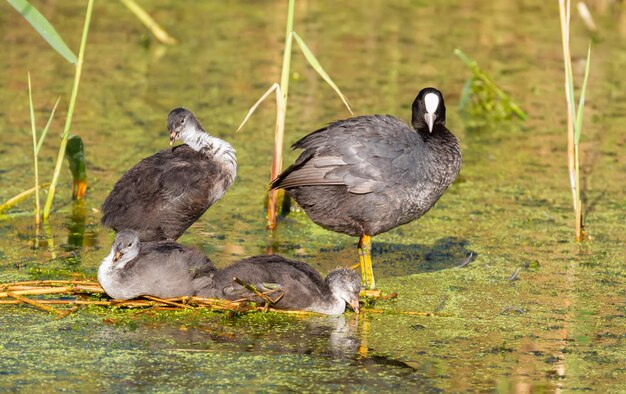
(129, 245)
(182, 121)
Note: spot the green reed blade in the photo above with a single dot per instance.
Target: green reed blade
(44, 28)
(578, 126)
(70, 112)
(258, 102)
(310, 57)
(45, 129)
(35, 162)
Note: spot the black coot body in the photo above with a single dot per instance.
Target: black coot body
(165, 193)
(303, 287)
(369, 174)
(161, 269)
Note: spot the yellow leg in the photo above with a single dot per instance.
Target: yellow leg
(365, 259)
(361, 262)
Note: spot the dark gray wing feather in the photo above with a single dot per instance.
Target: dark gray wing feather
(360, 153)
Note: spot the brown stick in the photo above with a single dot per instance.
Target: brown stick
(253, 289)
(60, 302)
(66, 312)
(45, 282)
(161, 300)
(55, 290)
(34, 303)
(266, 293)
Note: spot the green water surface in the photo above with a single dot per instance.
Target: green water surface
(561, 325)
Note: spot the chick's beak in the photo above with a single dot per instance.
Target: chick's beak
(354, 304)
(173, 136)
(117, 256)
(430, 120)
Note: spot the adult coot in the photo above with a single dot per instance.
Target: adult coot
(161, 269)
(165, 193)
(303, 287)
(366, 175)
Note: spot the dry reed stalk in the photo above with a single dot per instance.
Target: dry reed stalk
(61, 302)
(253, 289)
(574, 116)
(172, 303)
(564, 12)
(53, 290)
(244, 305)
(34, 303)
(67, 312)
(56, 290)
(277, 158)
(50, 282)
(14, 288)
(371, 293)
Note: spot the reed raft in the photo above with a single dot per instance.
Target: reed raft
(76, 293)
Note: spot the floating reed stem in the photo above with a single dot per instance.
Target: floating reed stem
(18, 290)
(33, 303)
(172, 303)
(264, 296)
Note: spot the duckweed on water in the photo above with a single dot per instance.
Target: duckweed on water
(560, 325)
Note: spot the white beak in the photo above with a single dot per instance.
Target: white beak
(430, 120)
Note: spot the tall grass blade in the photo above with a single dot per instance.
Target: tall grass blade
(149, 22)
(44, 28)
(310, 57)
(68, 120)
(42, 137)
(258, 102)
(578, 126)
(35, 162)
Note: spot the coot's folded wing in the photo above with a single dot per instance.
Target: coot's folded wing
(361, 153)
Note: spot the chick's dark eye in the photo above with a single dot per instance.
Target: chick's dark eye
(129, 245)
(182, 121)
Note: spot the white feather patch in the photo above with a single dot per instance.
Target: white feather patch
(431, 100)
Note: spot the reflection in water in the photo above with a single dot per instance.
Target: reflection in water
(343, 339)
(76, 225)
(47, 228)
(77, 236)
